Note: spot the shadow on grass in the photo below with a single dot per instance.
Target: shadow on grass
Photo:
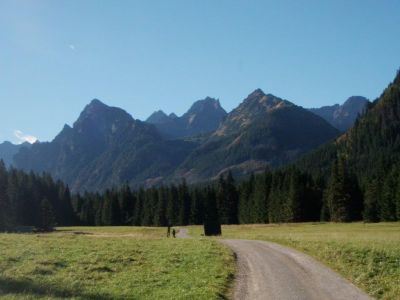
(30, 288)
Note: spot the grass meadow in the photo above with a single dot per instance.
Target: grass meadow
(366, 254)
(141, 263)
(107, 263)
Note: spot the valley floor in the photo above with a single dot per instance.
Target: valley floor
(112, 263)
(141, 263)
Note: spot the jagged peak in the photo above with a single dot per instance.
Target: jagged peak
(356, 100)
(206, 103)
(256, 93)
(98, 112)
(159, 113)
(96, 102)
(158, 117)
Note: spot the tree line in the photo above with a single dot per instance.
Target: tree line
(285, 195)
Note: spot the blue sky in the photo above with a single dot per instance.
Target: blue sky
(55, 56)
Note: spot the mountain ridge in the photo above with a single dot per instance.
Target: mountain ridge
(343, 116)
(107, 147)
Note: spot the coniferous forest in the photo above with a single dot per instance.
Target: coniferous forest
(288, 195)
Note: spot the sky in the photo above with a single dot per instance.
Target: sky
(56, 56)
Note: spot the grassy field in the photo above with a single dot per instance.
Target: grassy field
(112, 263)
(366, 254)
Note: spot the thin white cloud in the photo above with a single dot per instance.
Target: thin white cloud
(24, 137)
(72, 47)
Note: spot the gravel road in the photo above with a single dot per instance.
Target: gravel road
(270, 271)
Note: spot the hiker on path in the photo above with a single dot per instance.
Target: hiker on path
(168, 231)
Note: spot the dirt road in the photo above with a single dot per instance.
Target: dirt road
(270, 271)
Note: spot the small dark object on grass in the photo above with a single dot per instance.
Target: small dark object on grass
(173, 233)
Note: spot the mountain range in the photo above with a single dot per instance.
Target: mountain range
(343, 116)
(107, 147)
(203, 117)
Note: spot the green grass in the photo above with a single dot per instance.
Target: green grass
(112, 263)
(366, 254)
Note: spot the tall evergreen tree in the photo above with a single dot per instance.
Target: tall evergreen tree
(372, 195)
(197, 207)
(127, 204)
(47, 217)
(338, 196)
(4, 204)
(138, 210)
(295, 197)
(172, 206)
(160, 218)
(398, 198)
(387, 205)
(184, 202)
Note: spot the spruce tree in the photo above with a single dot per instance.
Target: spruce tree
(197, 207)
(172, 206)
(246, 190)
(221, 197)
(387, 205)
(398, 199)
(184, 203)
(106, 211)
(47, 217)
(338, 195)
(295, 197)
(4, 205)
(160, 218)
(115, 210)
(232, 200)
(127, 204)
(371, 199)
(138, 210)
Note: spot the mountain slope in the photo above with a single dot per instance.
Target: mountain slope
(371, 146)
(8, 150)
(204, 116)
(343, 116)
(263, 131)
(105, 147)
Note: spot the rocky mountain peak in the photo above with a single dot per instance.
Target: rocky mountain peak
(158, 117)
